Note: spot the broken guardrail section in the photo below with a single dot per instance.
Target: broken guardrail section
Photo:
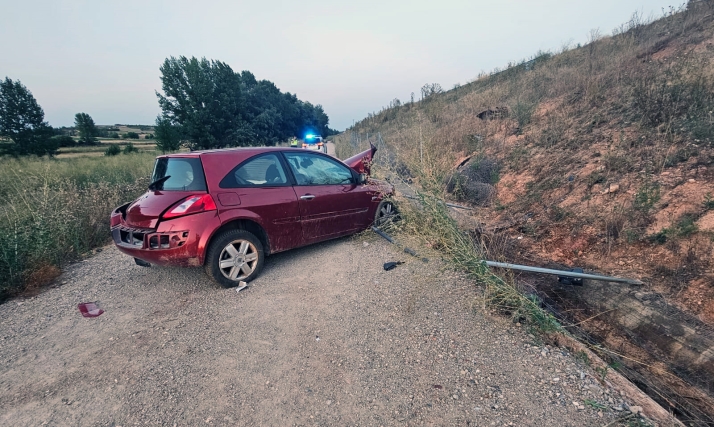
(559, 273)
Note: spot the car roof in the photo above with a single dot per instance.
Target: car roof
(243, 151)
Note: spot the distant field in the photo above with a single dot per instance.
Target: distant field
(98, 150)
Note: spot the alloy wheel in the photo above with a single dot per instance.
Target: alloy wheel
(238, 259)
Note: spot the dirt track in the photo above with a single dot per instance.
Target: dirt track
(323, 337)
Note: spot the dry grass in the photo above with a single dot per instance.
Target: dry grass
(54, 211)
(619, 111)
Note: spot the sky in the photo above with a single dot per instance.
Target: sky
(102, 57)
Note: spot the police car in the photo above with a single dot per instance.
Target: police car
(314, 142)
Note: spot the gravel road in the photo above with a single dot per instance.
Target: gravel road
(323, 337)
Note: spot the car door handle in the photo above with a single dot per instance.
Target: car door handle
(307, 197)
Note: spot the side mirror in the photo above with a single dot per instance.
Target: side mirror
(362, 179)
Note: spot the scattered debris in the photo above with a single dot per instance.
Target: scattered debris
(493, 113)
(241, 285)
(390, 240)
(89, 309)
(141, 262)
(573, 281)
(391, 265)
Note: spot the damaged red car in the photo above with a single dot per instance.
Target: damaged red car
(228, 209)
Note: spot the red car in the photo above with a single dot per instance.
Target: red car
(228, 209)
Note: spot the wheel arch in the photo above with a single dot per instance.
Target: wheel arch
(241, 224)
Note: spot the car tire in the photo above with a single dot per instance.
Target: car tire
(234, 256)
(387, 213)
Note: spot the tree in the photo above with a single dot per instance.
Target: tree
(88, 131)
(204, 98)
(22, 121)
(216, 107)
(168, 136)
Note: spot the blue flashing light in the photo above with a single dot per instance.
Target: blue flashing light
(309, 136)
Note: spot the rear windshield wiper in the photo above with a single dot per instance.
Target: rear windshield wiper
(158, 182)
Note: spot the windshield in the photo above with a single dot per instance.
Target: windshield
(186, 174)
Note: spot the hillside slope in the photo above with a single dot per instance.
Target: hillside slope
(600, 157)
(605, 152)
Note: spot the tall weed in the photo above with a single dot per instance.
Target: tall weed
(53, 211)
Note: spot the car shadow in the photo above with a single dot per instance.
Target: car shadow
(305, 253)
(186, 278)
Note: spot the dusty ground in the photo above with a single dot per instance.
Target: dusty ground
(323, 337)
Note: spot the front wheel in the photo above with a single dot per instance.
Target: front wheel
(234, 256)
(387, 213)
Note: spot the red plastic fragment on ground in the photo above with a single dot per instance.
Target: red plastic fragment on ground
(89, 309)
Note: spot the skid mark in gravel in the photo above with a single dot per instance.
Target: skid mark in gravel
(323, 337)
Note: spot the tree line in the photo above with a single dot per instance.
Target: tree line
(209, 105)
(24, 131)
(204, 104)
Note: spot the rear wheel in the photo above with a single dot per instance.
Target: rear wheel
(234, 256)
(387, 213)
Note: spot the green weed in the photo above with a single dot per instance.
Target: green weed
(686, 225)
(523, 111)
(594, 404)
(708, 203)
(646, 197)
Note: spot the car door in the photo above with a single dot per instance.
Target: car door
(260, 189)
(331, 203)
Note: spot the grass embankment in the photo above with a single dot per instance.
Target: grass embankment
(52, 211)
(603, 151)
(432, 223)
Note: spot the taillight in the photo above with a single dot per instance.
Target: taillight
(191, 205)
(304, 146)
(319, 144)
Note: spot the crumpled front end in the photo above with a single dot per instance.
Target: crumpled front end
(362, 162)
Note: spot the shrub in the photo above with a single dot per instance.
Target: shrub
(522, 112)
(686, 225)
(64, 141)
(708, 203)
(112, 150)
(130, 149)
(646, 197)
(131, 135)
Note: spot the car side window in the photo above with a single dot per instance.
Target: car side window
(313, 169)
(261, 171)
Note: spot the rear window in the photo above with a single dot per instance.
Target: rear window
(186, 174)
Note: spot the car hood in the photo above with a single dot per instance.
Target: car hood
(145, 211)
(363, 161)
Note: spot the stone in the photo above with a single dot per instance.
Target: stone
(613, 188)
